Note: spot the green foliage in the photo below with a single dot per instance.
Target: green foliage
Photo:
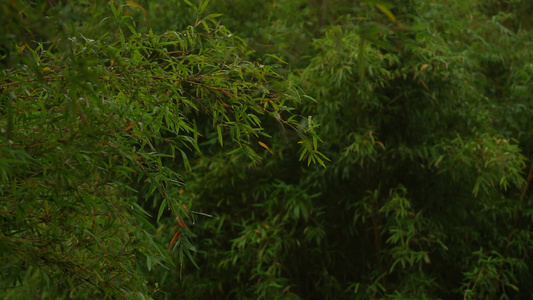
(172, 163)
(90, 127)
(423, 191)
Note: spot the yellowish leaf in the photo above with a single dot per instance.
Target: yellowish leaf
(135, 4)
(129, 126)
(265, 146)
(21, 49)
(181, 223)
(388, 13)
(424, 84)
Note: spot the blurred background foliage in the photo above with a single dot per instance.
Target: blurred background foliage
(304, 149)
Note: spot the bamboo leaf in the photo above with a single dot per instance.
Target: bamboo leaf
(161, 209)
(387, 12)
(135, 4)
(219, 132)
(265, 146)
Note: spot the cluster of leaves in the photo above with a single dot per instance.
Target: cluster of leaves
(420, 189)
(92, 126)
(425, 117)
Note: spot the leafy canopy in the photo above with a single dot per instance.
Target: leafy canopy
(90, 124)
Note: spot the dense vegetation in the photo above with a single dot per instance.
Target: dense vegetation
(299, 149)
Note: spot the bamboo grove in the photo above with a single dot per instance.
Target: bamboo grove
(303, 149)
